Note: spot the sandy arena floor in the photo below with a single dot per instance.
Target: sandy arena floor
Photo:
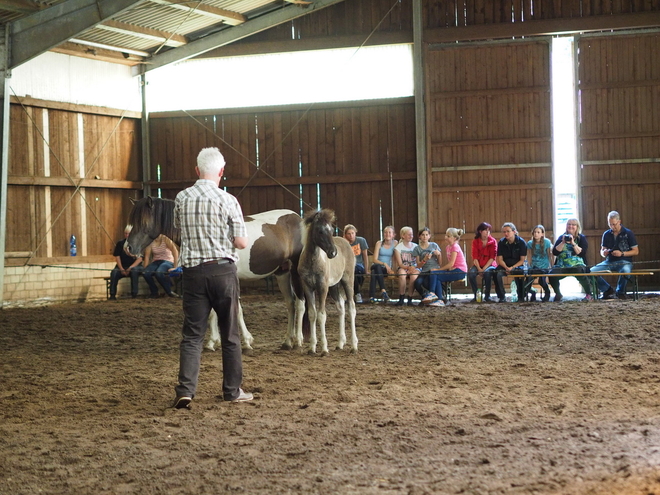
(525, 398)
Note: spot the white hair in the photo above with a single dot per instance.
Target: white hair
(210, 160)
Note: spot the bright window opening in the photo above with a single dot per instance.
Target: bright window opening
(564, 151)
(285, 78)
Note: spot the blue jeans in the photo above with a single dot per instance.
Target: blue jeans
(488, 278)
(500, 273)
(433, 280)
(116, 275)
(359, 278)
(613, 266)
(158, 269)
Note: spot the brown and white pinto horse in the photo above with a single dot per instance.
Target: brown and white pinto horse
(327, 264)
(275, 244)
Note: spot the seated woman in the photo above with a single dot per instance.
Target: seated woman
(382, 265)
(360, 249)
(455, 268)
(571, 257)
(484, 254)
(406, 265)
(160, 257)
(428, 255)
(539, 258)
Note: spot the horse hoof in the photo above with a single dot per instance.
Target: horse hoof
(210, 348)
(286, 347)
(248, 351)
(311, 352)
(354, 350)
(325, 353)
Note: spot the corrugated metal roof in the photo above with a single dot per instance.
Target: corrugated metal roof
(145, 26)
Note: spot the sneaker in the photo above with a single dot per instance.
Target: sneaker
(487, 299)
(558, 298)
(437, 304)
(621, 295)
(609, 294)
(373, 300)
(384, 296)
(243, 396)
(112, 298)
(429, 298)
(588, 298)
(358, 298)
(182, 403)
(173, 294)
(401, 301)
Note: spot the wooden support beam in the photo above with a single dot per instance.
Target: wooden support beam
(97, 53)
(66, 182)
(542, 28)
(28, 101)
(170, 39)
(293, 181)
(227, 16)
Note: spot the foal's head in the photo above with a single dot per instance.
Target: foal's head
(321, 230)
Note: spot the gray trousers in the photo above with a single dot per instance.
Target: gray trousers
(206, 287)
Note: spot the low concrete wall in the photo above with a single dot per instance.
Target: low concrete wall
(34, 285)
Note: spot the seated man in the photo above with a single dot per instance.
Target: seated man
(126, 266)
(511, 254)
(360, 247)
(618, 246)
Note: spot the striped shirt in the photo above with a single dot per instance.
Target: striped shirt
(160, 251)
(209, 219)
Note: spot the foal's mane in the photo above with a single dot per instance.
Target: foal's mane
(325, 215)
(150, 210)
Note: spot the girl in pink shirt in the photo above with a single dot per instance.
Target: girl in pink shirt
(455, 268)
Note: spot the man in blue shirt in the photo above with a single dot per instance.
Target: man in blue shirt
(617, 247)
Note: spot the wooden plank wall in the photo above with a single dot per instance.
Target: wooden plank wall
(489, 136)
(345, 18)
(364, 17)
(51, 152)
(620, 139)
(351, 155)
(453, 13)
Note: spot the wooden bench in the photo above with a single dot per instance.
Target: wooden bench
(107, 285)
(594, 283)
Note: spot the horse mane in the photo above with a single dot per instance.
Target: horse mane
(326, 215)
(150, 209)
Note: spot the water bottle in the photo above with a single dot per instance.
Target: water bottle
(525, 266)
(73, 249)
(514, 292)
(479, 295)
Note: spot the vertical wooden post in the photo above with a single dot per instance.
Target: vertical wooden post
(5, 74)
(420, 115)
(146, 143)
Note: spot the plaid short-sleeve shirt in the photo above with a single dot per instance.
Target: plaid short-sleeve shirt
(209, 218)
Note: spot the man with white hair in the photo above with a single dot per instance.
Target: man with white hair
(212, 229)
(618, 246)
